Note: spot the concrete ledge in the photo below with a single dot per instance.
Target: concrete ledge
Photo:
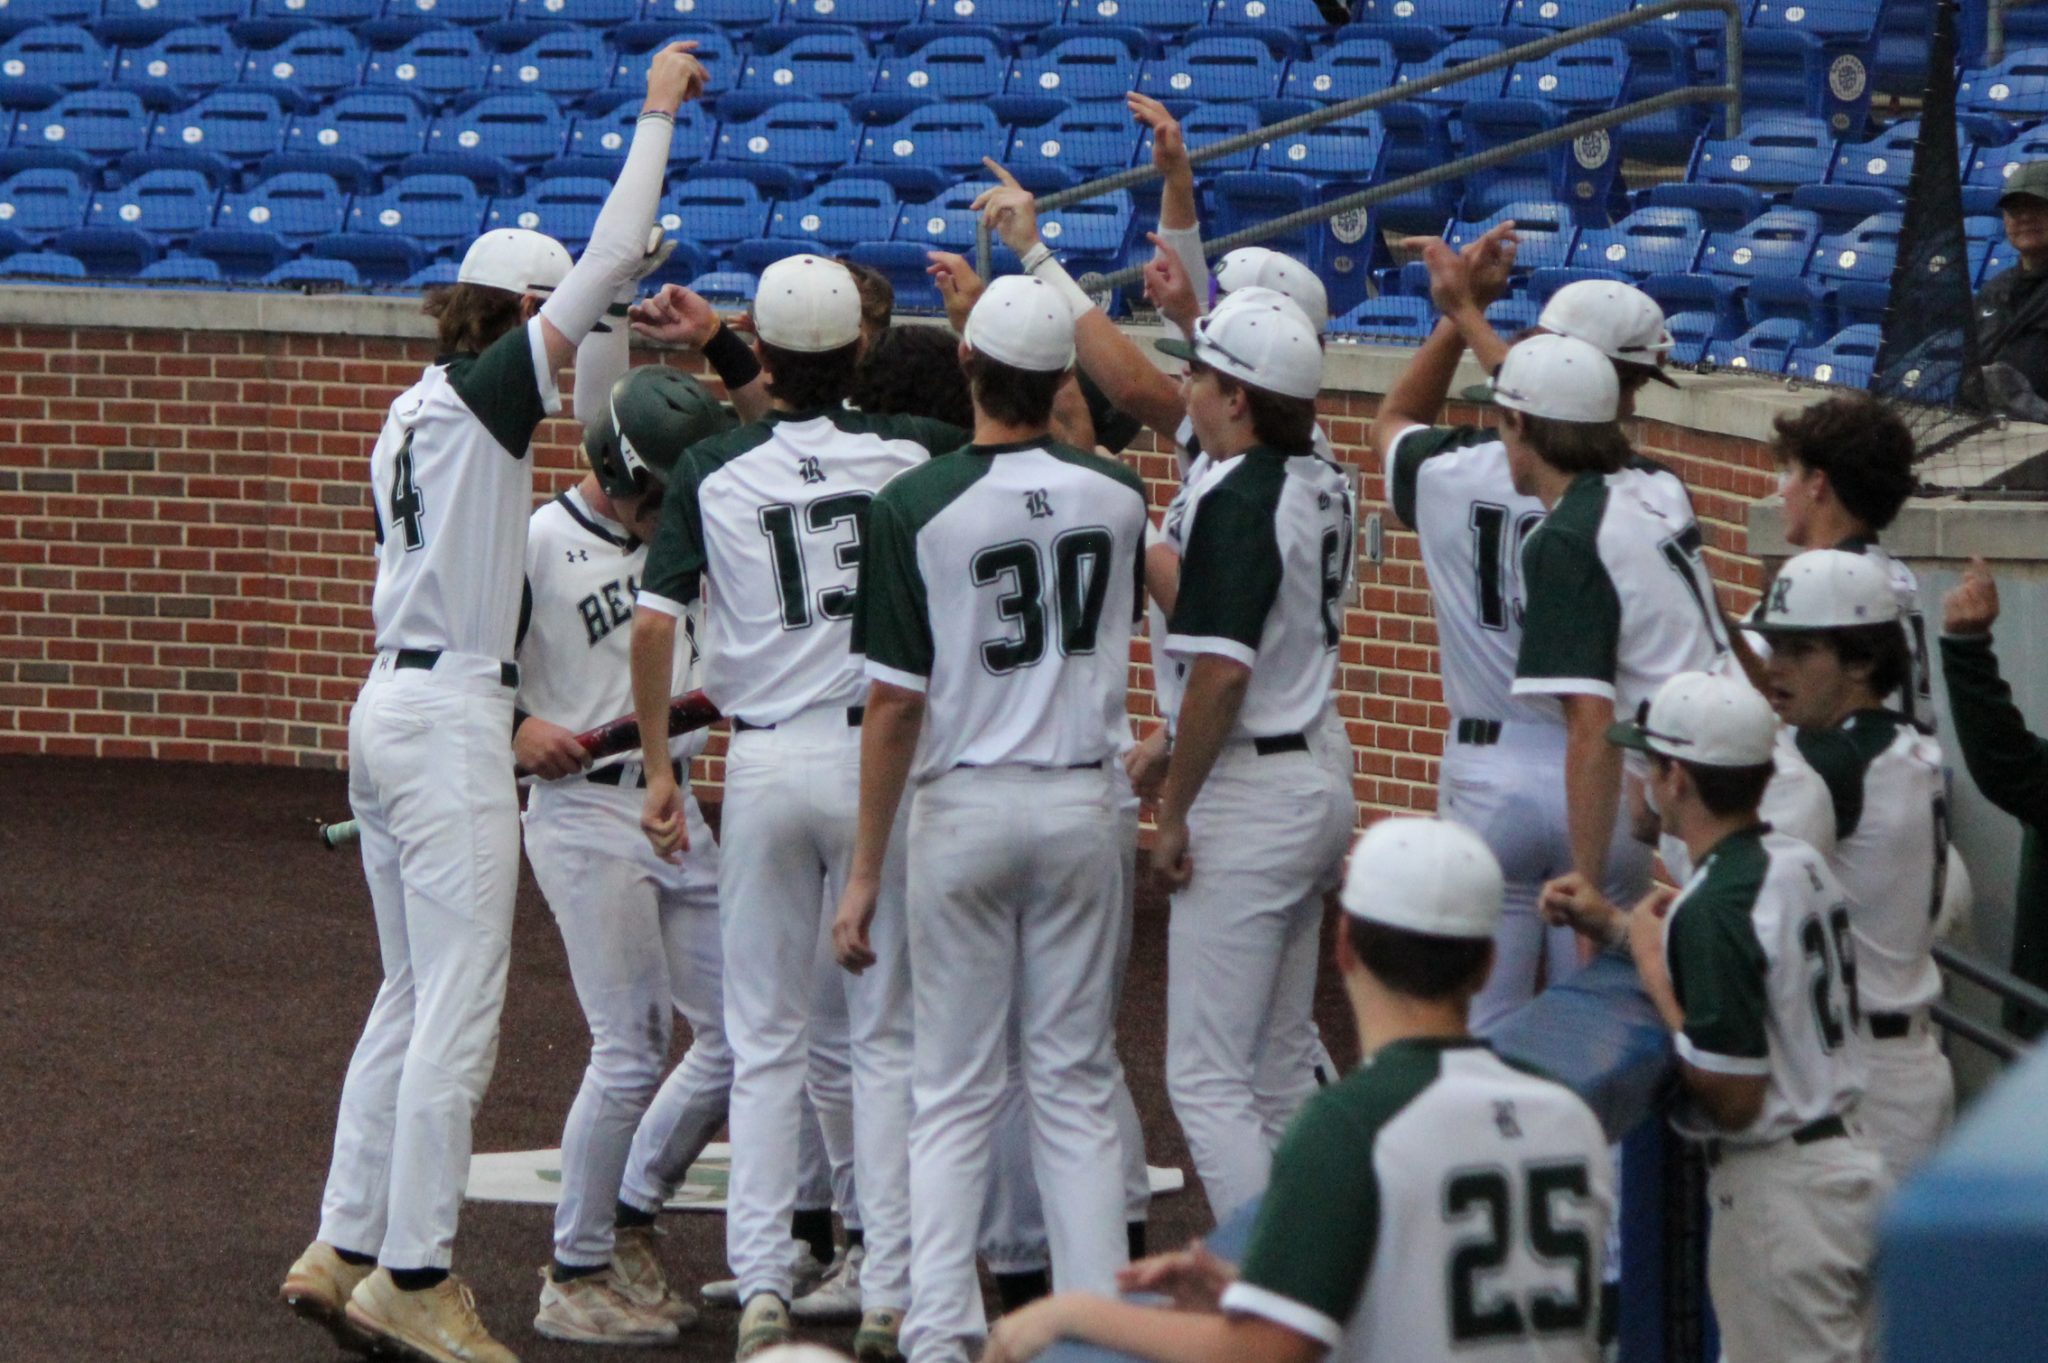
(1932, 529)
(200, 310)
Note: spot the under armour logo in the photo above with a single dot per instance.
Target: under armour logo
(1036, 505)
(1725, 1201)
(1781, 597)
(577, 555)
(1504, 1120)
(808, 470)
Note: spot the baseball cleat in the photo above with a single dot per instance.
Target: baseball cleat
(592, 1310)
(763, 1325)
(725, 1292)
(317, 1287)
(836, 1298)
(436, 1325)
(638, 1276)
(875, 1341)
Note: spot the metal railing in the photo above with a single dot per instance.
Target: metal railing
(2009, 989)
(1729, 94)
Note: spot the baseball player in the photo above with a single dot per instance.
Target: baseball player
(1253, 815)
(1437, 1203)
(774, 514)
(1753, 966)
(995, 613)
(1837, 651)
(641, 933)
(429, 777)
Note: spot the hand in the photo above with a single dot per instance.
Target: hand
(1022, 1335)
(677, 316)
(1145, 764)
(1575, 902)
(661, 817)
(1489, 261)
(1193, 1277)
(1450, 275)
(1168, 286)
(850, 946)
(548, 750)
(674, 76)
(660, 246)
(1972, 608)
(958, 284)
(1009, 210)
(1646, 928)
(1170, 859)
(1169, 149)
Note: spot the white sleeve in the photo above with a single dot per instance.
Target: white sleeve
(618, 240)
(602, 358)
(1186, 242)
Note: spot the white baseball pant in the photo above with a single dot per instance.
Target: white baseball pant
(825, 1178)
(430, 783)
(1267, 836)
(791, 801)
(1909, 1102)
(642, 939)
(1015, 895)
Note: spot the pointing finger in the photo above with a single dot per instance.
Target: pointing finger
(997, 169)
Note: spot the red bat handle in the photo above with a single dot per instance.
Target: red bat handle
(686, 713)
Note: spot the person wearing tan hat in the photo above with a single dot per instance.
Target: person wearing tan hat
(1437, 1203)
(2012, 307)
(993, 617)
(1753, 967)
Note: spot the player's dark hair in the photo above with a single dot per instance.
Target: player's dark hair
(1882, 646)
(1725, 791)
(471, 316)
(1861, 445)
(1576, 446)
(1013, 396)
(914, 371)
(1421, 965)
(877, 295)
(808, 380)
(1278, 421)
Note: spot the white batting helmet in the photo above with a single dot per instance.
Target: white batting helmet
(516, 260)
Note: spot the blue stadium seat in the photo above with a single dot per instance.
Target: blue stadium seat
(606, 137)
(1691, 334)
(563, 206)
(1027, 17)
(1698, 293)
(1776, 244)
(21, 14)
(715, 211)
(959, 66)
(739, 15)
(1346, 69)
(1841, 207)
(1389, 319)
(1081, 68)
(1583, 173)
(1787, 71)
(181, 66)
(814, 66)
(434, 274)
(844, 210)
(315, 275)
(1344, 250)
(379, 258)
(438, 211)
(1563, 14)
(234, 124)
(903, 264)
(947, 138)
(108, 252)
(166, 205)
(726, 286)
(1886, 160)
(872, 15)
(1096, 230)
(1774, 154)
(1348, 149)
(1847, 359)
(1544, 226)
(1155, 16)
(1857, 266)
(1417, 141)
(721, 51)
(104, 125)
(1660, 59)
(525, 129)
(1545, 282)
(808, 136)
(1452, 16)
(1510, 315)
(283, 17)
(1585, 79)
(947, 223)
(1852, 19)
(1646, 242)
(37, 65)
(296, 207)
(1206, 124)
(377, 125)
(1089, 139)
(1900, 64)
(1299, 16)
(568, 64)
(1983, 234)
(308, 66)
(1997, 260)
(242, 252)
(1764, 347)
(40, 203)
(132, 23)
(437, 66)
(1990, 165)
(1722, 208)
(47, 265)
(467, 13)
(179, 269)
(1456, 95)
(603, 14)
(1213, 69)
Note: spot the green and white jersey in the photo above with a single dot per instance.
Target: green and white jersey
(775, 513)
(452, 488)
(1451, 486)
(1618, 598)
(576, 630)
(1891, 850)
(1265, 543)
(1489, 1188)
(1763, 961)
(1002, 582)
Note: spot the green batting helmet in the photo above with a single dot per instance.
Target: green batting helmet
(655, 414)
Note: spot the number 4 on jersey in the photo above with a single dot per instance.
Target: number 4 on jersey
(408, 507)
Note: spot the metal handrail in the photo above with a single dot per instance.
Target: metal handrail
(2009, 988)
(1729, 94)
(1971, 1030)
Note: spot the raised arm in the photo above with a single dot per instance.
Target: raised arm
(2008, 761)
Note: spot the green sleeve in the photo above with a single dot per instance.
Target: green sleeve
(1417, 448)
(675, 557)
(891, 621)
(1834, 755)
(500, 387)
(938, 437)
(1229, 574)
(1318, 1226)
(2008, 763)
(1718, 973)
(1571, 629)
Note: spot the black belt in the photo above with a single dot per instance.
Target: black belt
(1889, 1026)
(1096, 765)
(1819, 1129)
(1279, 743)
(615, 774)
(424, 659)
(854, 715)
(1477, 733)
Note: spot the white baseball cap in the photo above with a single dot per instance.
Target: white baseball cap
(1618, 320)
(1262, 267)
(1267, 344)
(807, 304)
(1023, 322)
(1707, 720)
(1558, 378)
(515, 259)
(1826, 589)
(1424, 875)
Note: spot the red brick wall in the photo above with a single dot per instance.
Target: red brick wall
(185, 550)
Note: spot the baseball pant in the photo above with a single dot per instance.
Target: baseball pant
(1909, 1102)
(791, 798)
(642, 936)
(430, 783)
(1015, 894)
(1267, 836)
(825, 1143)
(1789, 1249)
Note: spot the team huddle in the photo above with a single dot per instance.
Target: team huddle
(901, 957)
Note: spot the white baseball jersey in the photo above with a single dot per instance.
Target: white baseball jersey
(1763, 960)
(1002, 582)
(1265, 541)
(452, 488)
(576, 628)
(1451, 486)
(775, 513)
(1891, 850)
(1438, 1203)
(1618, 598)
